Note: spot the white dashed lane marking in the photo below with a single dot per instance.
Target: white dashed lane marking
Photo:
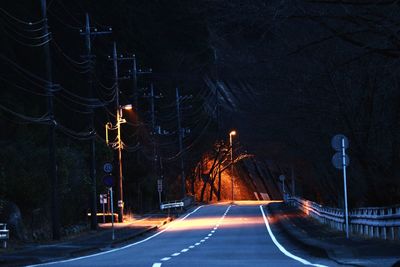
(157, 264)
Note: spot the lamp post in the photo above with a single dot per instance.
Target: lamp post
(120, 120)
(232, 133)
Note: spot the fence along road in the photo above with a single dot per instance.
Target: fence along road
(375, 222)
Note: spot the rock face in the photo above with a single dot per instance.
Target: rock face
(11, 215)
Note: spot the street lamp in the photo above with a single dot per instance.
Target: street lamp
(109, 126)
(232, 133)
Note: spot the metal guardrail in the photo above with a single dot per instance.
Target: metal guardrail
(4, 234)
(382, 222)
(183, 203)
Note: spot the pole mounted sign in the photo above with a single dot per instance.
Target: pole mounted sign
(107, 167)
(340, 160)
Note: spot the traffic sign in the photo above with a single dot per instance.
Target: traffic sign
(107, 167)
(171, 205)
(120, 204)
(103, 198)
(159, 185)
(336, 142)
(108, 180)
(337, 160)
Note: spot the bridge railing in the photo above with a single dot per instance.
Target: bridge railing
(382, 222)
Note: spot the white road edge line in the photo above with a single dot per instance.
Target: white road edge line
(157, 264)
(121, 248)
(281, 248)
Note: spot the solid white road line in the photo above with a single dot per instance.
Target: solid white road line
(281, 248)
(121, 248)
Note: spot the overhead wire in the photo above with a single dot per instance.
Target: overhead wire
(43, 119)
(23, 88)
(20, 20)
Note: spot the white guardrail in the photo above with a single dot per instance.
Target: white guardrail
(372, 222)
(187, 201)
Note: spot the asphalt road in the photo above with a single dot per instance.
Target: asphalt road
(211, 235)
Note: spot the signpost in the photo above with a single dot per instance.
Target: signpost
(159, 188)
(103, 202)
(340, 160)
(108, 181)
(112, 213)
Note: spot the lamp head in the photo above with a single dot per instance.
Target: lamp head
(232, 132)
(127, 107)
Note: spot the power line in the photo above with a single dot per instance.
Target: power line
(20, 20)
(43, 119)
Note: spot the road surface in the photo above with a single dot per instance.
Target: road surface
(211, 235)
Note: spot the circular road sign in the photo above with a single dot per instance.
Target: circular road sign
(336, 142)
(282, 177)
(337, 160)
(107, 167)
(108, 180)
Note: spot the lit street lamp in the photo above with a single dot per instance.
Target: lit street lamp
(232, 133)
(109, 126)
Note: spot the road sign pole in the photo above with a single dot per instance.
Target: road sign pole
(345, 187)
(104, 212)
(112, 213)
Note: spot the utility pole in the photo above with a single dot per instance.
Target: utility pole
(88, 37)
(153, 126)
(120, 120)
(154, 132)
(180, 137)
(52, 169)
(120, 195)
